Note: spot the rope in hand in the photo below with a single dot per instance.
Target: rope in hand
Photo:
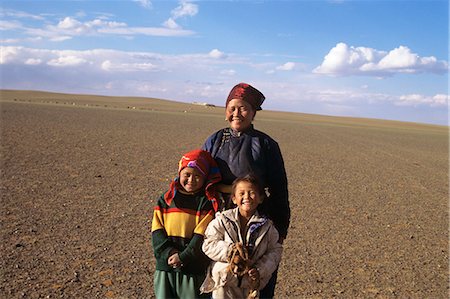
(239, 265)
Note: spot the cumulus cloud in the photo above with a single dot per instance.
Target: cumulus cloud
(348, 60)
(170, 23)
(9, 54)
(69, 23)
(288, 66)
(215, 53)
(185, 8)
(69, 60)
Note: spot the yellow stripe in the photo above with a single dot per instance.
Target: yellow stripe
(180, 224)
(201, 227)
(157, 221)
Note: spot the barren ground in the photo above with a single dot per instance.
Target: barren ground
(80, 174)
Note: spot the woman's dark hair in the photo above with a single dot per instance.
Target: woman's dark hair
(252, 179)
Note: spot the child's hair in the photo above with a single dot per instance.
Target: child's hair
(252, 179)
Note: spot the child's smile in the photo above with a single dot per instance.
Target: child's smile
(247, 198)
(191, 179)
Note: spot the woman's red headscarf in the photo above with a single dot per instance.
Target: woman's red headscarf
(248, 93)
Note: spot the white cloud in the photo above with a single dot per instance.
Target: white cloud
(107, 60)
(345, 60)
(144, 3)
(60, 38)
(215, 53)
(70, 27)
(107, 65)
(163, 75)
(151, 31)
(9, 25)
(288, 66)
(70, 60)
(349, 96)
(69, 24)
(33, 61)
(415, 100)
(185, 9)
(9, 54)
(19, 14)
(170, 23)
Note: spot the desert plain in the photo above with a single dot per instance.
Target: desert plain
(80, 175)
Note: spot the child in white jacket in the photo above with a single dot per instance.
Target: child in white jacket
(255, 232)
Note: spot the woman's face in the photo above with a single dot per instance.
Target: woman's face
(239, 114)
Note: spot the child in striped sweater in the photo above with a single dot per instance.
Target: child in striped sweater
(180, 218)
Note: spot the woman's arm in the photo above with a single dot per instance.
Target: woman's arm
(278, 206)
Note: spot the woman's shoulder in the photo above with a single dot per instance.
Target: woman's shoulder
(212, 139)
(262, 135)
(218, 132)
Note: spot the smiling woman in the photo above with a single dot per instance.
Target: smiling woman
(240, 150)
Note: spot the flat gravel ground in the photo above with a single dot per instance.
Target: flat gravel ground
(369, 199)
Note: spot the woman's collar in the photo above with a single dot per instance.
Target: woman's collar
(235, 133)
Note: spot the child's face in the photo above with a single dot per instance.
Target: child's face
(191, 179)
(246, 197)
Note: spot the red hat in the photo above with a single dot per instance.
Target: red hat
(206, 165)
(248, 93)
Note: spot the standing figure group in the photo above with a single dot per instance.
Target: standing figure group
(218, 231)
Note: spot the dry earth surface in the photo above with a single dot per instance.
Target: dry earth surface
(80, 174)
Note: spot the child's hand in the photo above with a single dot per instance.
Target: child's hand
(174, 260)
(253, 273)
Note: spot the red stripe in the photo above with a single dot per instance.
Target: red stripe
(178, 210)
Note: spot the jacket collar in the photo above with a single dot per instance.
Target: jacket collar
(255, 217)
(235, 133)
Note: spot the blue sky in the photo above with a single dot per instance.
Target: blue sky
(377, 59)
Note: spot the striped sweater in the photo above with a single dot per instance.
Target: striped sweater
(181, 226)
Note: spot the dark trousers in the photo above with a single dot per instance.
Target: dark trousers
(269, 289)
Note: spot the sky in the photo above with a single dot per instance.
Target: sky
(386, 59)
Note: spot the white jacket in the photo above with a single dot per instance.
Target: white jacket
(223, 231)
